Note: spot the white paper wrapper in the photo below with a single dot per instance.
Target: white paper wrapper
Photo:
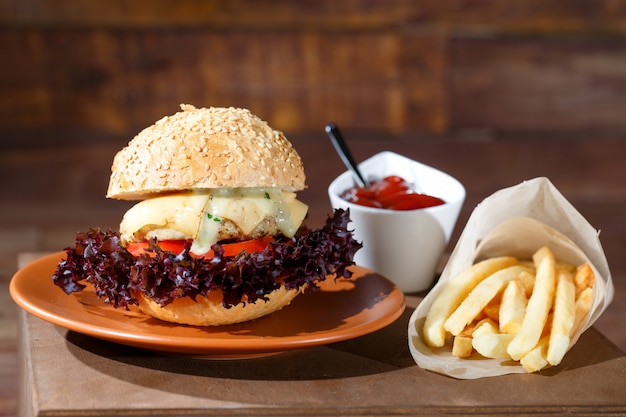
(515, 221)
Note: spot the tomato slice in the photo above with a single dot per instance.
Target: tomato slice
(250, 246)
(230, 249)
(139, 248)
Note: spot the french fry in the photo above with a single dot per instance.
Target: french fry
(479, 297)
(527, 263)
(492, 311)
(454, 293)
(462, 346)
(583, 306)
(485, 326)
(584, 278)
(512, 307)
(504, 308)
(563, 317)
(539, 305)
(535, 360)
(492, 345)
(469, 329)
(527, 280)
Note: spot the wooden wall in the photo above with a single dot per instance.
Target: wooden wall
(402, 66)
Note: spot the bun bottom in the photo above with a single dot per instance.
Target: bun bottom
(209, 311)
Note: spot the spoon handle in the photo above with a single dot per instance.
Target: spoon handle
(344, 152)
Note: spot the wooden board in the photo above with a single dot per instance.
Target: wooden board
(399, 66)
(65, 373)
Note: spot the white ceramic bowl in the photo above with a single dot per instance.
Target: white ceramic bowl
(404, 246)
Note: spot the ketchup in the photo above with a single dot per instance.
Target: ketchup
(392, 193)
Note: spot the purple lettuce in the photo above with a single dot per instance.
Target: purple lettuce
(99, 258)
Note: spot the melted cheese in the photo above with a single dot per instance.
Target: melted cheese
(198, 216)
(175, 216)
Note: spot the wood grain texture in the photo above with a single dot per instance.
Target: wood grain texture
(371, 375)
(528, 84)
(400, 66)
(493, 92)
(120, 81)
(546, 16)
(56, 191)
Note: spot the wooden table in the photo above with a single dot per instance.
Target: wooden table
(68, 374)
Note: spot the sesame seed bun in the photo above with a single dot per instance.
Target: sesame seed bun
(209, 311)
(201, 148)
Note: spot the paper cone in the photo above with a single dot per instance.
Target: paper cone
(515, 221)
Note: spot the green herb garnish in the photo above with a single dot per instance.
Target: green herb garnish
(215, 219)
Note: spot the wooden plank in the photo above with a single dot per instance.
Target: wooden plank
(373, 374)
(122, 81)
(544, 16)
(260, 14)
(523, 16)
(423, 85)
(396, 66)
(57, 189)
(538, 84)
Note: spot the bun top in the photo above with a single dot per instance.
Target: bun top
(205, 148)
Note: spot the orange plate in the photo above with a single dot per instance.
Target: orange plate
(342, 310)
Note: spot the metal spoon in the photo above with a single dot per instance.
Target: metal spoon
(344, 152)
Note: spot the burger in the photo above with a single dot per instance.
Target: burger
(217, 234)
